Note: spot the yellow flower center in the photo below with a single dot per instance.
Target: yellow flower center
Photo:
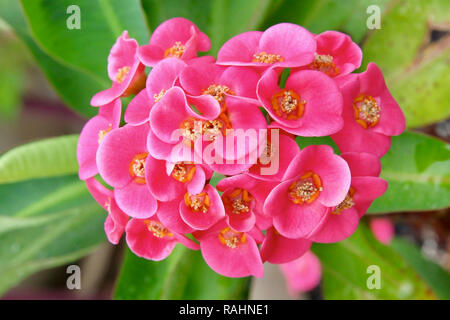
(157, 229)
(366, 111)
(184, 171)
(176, 51)
(197, 202)
(102, 134)
(347, 203)
(324, 63)
(288, 104)
(231, 238)
(122, 73)
(268, 58)
(159, 96)
(218, 92)
(136, 167)
(238, 201)
(306, 189)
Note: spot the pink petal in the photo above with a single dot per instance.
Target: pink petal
(169, 214)
(164, 187)
(136, 200)
(138, 110)
(113, 166)
(303, 274)
(278, 249)
(337, 227)
(362, 164)
(240, 49)
(383, 230)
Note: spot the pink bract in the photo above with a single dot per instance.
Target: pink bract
(303, 274)
(178, 38)
(125, 71)
(282, 45)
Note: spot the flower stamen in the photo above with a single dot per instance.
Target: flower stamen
(306, 189)
(176, 51)
(157, 229)
(136, 168)
(347, 203)
(218, 92)
(197, 202)
(238, 201)
(231, 238)
(122, 73)
(324, 63)
(159, 96)
(184, 171)
(366, 111)
(288, 104)
(268, 58)
(102, 133)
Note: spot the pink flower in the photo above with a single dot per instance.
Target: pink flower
(282, 45)
(92, 135)
(243, 198)
(341, 221)
(168, 181)
(150, 239)
(315, 180)
(383, 230)
(125, 71)
(278, 153)
(220, 82)
(177, 38)
(203, 210)
(230, 253)
(336, 54)
(278, 249)
(309, 105)
(371, 115)
(116, 220)
(122, 159)
(162, 78)
(303, 274)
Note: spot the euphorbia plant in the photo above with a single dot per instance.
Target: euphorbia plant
(237, 116)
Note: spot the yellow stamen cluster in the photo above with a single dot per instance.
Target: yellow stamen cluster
(184, 172)
(231, 238)
(102, 133)
(306, 189)
(347, 203)
(218, 92)
(198, 202)
(122, 73)
(264, 57)
(324, 63)
(288, 104)
(238, 201)
(366, 111)
(176, 51)
(137, 168)
(192, 128)
(157, 229)
(159, 96)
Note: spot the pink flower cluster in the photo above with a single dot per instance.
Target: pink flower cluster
(160, 197)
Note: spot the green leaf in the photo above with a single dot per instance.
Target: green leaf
(75, 87)
(317, 16)
(435, 276)
(416, 71)
(345, 275)
(303, 142)
(417, 168)
(183, 275)
(45, 223)
(87, 48)
(45, 158)
(219, 19)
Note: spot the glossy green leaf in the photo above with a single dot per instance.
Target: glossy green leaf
(219, 19)
(435, 276)
(417, 168)
(183, 275)
(416, 71)
(317, 16)
(345, 270)
(45, 223)
(87, 48)
(44, 158)
(303, 142)
(75, 87)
